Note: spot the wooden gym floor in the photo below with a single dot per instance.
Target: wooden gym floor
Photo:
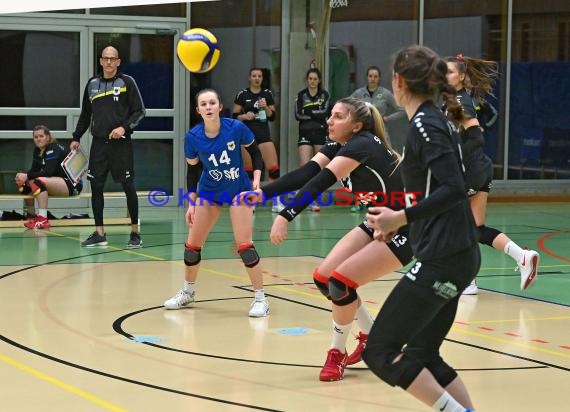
(84, 329)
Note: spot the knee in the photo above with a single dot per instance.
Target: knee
(248, 254)
(192, 254)
(441, 371)
(383, 363)
(97, 185)
(128, 185)
(342, 290)
(274, 172)
(322, 283)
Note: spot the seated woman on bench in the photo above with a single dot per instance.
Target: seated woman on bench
(45, 178)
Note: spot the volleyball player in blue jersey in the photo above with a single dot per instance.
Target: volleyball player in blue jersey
(216, 175)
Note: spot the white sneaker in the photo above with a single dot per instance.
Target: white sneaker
(181, 300)
(472, 289)
(528, 266)
(259, 308)
(277, 206)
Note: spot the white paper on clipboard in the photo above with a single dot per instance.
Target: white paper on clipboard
(75, 165)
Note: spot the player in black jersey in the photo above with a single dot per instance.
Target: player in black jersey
(360, 156)
(312, 107)
(479, 75)
(45, 178)
(112, 107)
(255, 106)
(403, 347)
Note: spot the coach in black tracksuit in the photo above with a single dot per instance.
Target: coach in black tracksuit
(112, 106)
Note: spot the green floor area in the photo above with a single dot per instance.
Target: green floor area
(544, 227)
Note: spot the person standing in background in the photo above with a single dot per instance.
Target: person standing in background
(312, 107)
(112, 106)
(255, 107)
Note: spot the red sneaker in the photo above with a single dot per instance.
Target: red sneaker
(356, 356)
(334, 366)
(39, 222)
(30, 216)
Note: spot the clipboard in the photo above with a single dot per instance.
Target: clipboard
(75, 165)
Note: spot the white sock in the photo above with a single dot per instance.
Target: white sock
(189, 287)
(259, 294)
(446, 403)
(42, 212)
(340, 336)
(514, 251)
(364, 319)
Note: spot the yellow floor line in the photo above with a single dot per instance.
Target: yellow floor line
(61, 384)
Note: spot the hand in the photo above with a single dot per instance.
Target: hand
(278, 230)
(190, 215)
(249, 116)
(117, 133)
(248, 198)
(21, 178)
(385, 221)
(74, 145)
(262, 103)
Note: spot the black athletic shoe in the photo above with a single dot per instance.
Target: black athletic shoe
(95, 239)
(135, 241)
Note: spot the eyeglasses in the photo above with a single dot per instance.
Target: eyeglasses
(109, 59)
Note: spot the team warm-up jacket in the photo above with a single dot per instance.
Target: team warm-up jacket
(312, 112)
(108, 104)
(48, 164)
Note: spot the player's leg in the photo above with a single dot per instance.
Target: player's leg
(242, 225)
(54, 186)
(205, 218)
(369, 262)
(97, 174)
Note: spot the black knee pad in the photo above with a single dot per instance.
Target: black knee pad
(248, 255)
(342, 290)
(192, 255)
(401, 373)
(322, 284)
(441, 371)
(487, 235)
(274, 173)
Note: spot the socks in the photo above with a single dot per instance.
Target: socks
(446, 403)
(259, 294)
(340, 336)
(364, 319)
(514, 251)
(189, 287)
(42, 212)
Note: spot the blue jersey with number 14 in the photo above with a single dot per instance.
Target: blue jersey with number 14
(223, 175)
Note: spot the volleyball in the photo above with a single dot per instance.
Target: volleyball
(198, 50)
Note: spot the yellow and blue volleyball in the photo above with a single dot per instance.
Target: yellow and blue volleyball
(198, 50)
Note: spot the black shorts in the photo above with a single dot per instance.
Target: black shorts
(312, 139)
(115, 155)
(263, 139)
(73, 190)
(399, 244)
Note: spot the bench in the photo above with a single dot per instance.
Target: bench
(71, 222)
